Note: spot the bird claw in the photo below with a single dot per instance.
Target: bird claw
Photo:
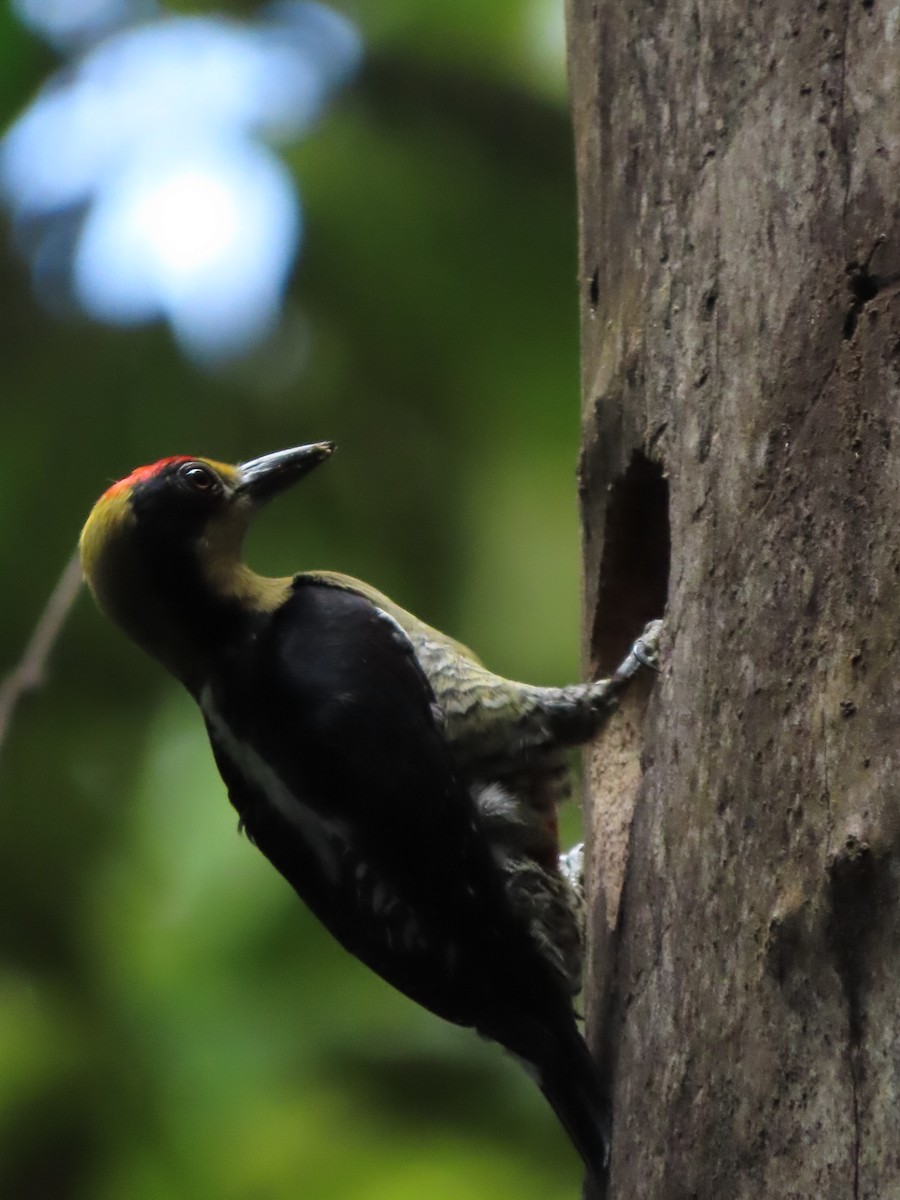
(644, 652)
(571, 866)
(646, 648)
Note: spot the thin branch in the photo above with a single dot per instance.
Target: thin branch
(30, 672)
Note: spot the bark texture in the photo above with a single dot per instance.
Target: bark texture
(737, 164)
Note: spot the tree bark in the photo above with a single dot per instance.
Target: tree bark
(738, 164)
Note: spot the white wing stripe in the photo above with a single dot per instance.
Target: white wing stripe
(320, 835)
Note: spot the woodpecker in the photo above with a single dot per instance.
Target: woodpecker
(405, 792)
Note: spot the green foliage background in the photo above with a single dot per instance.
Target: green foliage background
(172, 1022)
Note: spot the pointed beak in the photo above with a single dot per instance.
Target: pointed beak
(263, 478)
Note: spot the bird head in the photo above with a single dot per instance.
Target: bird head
(161, 549)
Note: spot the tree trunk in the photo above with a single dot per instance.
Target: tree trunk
(738, 163)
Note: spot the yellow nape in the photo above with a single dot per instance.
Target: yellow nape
(110, 516)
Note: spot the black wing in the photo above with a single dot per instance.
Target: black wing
(374, 761)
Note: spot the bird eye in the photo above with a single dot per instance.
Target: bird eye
(200, 478)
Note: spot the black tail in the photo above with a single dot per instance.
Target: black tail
(571, 1082)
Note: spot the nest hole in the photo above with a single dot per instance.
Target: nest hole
(634, 569)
